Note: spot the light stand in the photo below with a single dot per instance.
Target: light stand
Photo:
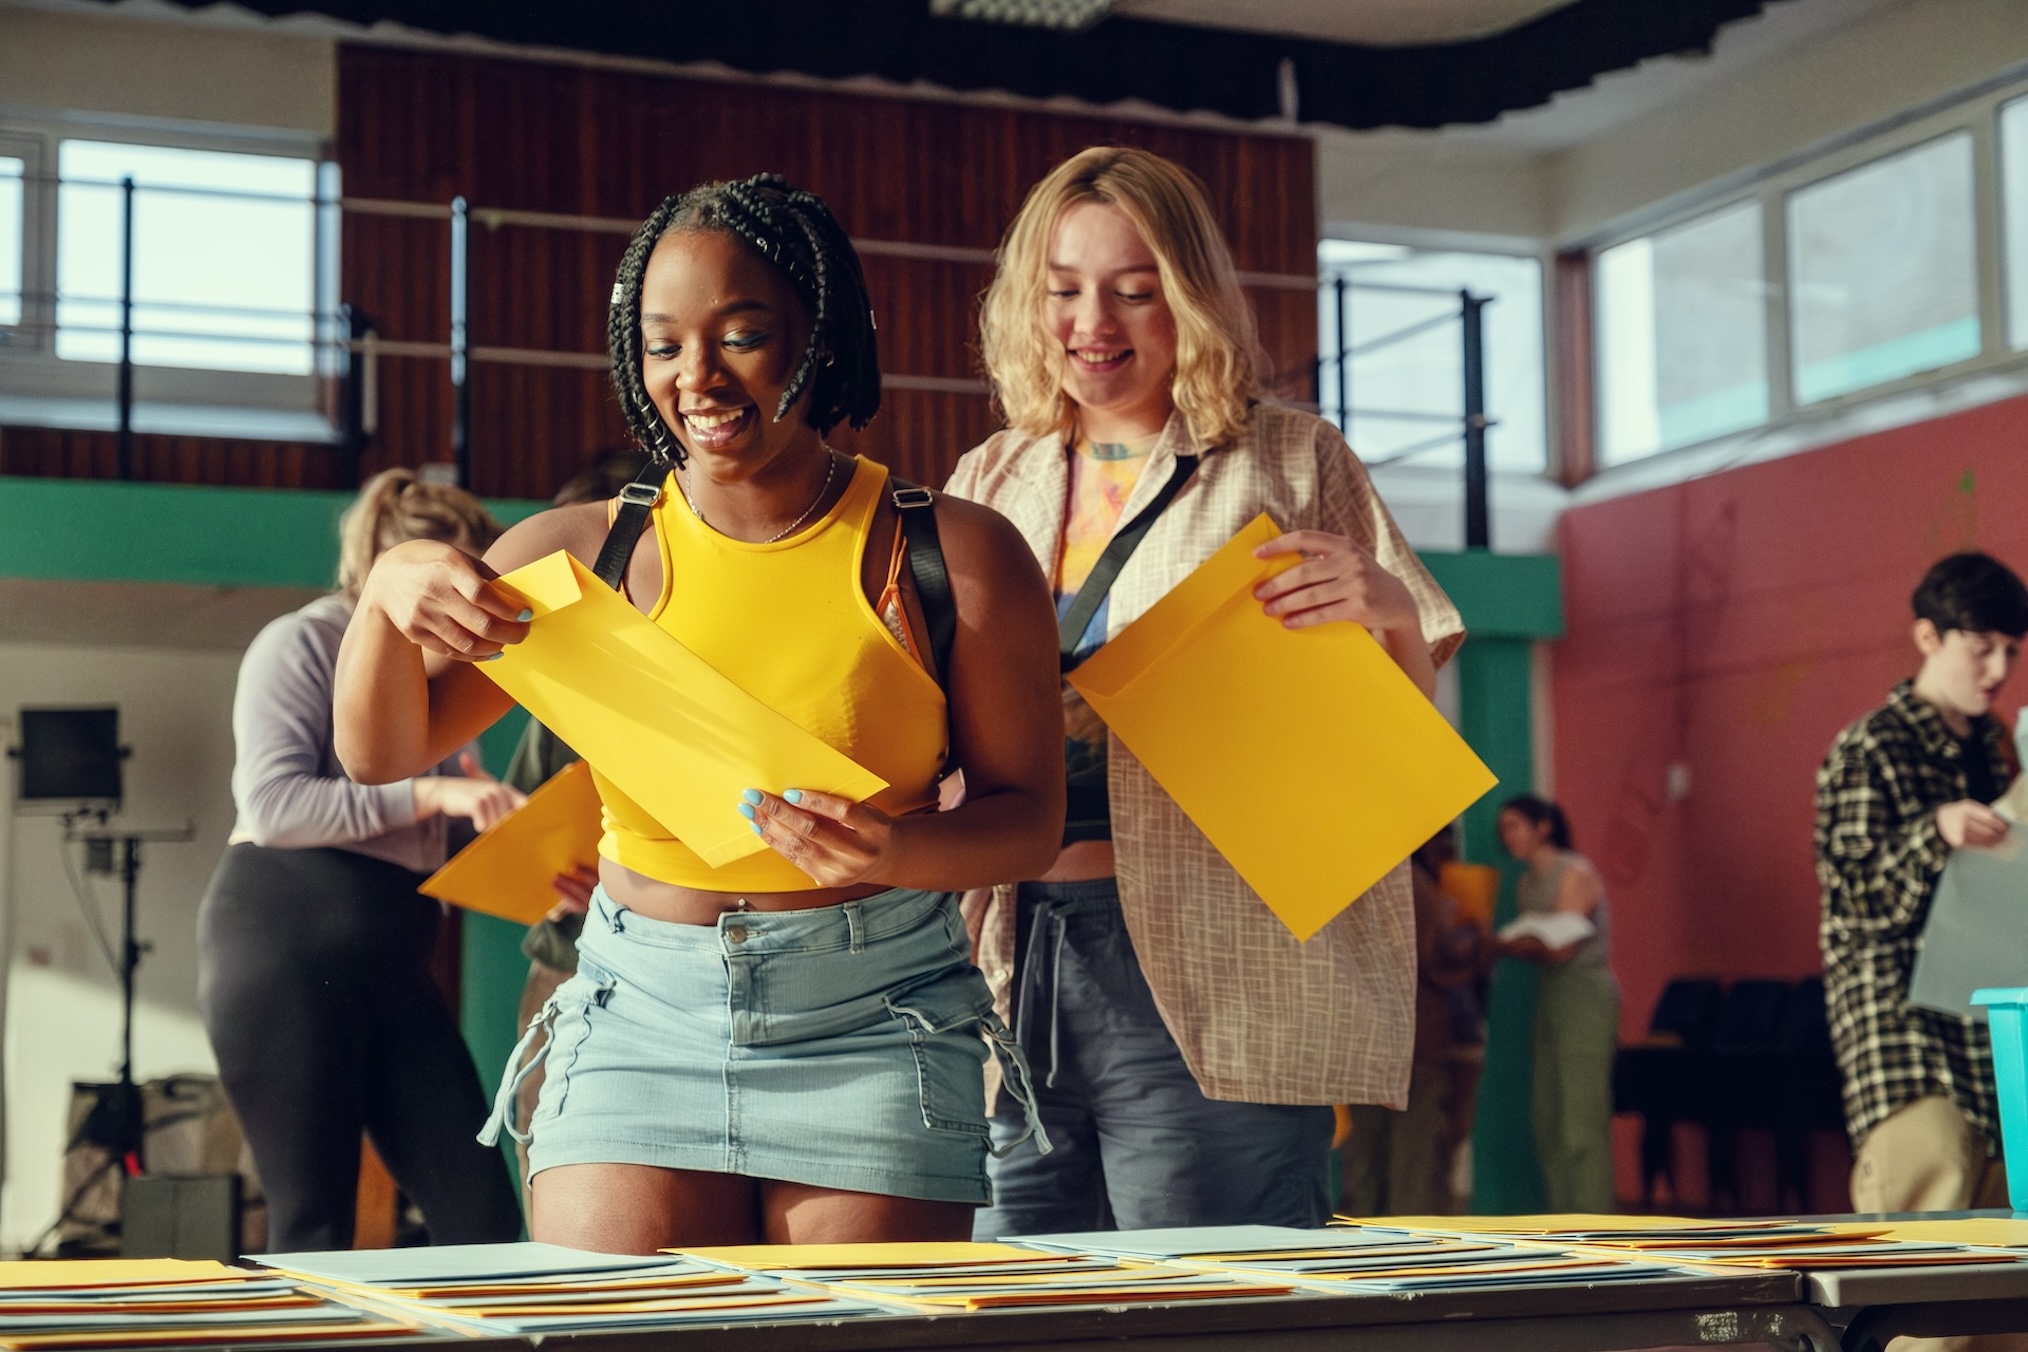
(116, 1121)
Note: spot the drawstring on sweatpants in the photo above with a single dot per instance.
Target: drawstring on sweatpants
(1041, 962)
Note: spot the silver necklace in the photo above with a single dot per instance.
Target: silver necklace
(830, 472)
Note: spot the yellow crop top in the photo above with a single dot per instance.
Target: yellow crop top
(790, 623)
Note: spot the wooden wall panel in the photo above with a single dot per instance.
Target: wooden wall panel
(525, 136)
(225, 461)
(512, 135)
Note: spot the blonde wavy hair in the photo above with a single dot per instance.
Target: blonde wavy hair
(1219, 362)
(394, 506)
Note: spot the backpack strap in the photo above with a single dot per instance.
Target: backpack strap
(637, 500)
(917, 506)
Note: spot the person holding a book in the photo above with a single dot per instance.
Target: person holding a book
(1564, 929)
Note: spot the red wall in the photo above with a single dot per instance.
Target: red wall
(1732, 625)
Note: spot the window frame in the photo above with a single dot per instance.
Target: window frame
(1546, 323)
(1773, 186)
(45, 389)
(1771, 314)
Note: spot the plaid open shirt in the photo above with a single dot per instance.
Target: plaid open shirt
(1879, 856)
(1259, 1016)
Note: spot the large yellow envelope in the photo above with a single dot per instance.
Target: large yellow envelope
(1305, 755)
(676, 735)
(507, 871)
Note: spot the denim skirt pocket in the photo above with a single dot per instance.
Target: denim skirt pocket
(942, 1015)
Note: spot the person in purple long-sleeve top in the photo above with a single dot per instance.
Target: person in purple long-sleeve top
(314, 945)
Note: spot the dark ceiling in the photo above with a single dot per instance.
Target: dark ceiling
(1188, 69)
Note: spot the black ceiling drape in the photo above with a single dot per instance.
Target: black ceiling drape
(1184, 68)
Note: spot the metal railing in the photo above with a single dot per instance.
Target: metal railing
(344, 344)
(1469, 425)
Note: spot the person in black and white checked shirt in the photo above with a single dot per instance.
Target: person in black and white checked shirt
(1900, 789)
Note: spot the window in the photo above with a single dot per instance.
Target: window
(224, 257)
(2014, 216)
(1681, 335)
(1883, 271)
(12, 220)
(1402, 372)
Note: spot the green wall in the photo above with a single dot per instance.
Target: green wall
(1509, 602)
(95, 531)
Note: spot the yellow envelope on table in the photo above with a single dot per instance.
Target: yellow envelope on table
(671, 731)
(1305, 755)
(508, 869)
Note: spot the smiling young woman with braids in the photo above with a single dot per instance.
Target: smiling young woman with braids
(789, 1048)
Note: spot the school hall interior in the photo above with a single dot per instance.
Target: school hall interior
(1679, 340)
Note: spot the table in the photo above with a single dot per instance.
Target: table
(1766, 1308)
(1875, 1304)
(1830, 1311)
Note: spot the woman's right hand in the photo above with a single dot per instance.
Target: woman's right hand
(444, 601)
(477, 797)
(481, 801)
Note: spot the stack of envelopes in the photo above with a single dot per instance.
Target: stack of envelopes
(1791, 1245)
(958, 1276)
(517, 1289)
(168, 1301)
(1369, 1258)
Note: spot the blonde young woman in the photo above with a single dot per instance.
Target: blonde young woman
(313, 945)
(1185, 1045)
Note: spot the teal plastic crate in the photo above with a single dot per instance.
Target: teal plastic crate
(2007, 1010)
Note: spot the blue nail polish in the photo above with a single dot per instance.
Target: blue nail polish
(492, 657)
(750, 796)
(794, 795)
(525, 616)
(757, 829)
(746, 811)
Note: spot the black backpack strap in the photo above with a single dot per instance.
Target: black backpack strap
(637, 500)
(917, 506)
(1103, 573)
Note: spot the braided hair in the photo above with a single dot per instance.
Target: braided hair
(794, 231)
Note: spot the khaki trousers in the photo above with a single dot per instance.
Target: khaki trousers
(1927, 1156)
(1399, 1163)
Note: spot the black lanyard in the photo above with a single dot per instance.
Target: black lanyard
(1103, 573)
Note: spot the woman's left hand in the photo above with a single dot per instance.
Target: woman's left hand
(836, 842)
(1337, 580)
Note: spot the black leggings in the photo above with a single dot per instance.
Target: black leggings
(314, 982)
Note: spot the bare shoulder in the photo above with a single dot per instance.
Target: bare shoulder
(980, 543)
(1581, 880)
(579, 528)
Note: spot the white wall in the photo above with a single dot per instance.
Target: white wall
(1805, 71)
(1883, 64)
(60, 62)
(62, 1001)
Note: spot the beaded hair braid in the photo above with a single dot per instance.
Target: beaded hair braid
(795, 232)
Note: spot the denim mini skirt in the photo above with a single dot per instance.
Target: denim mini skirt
(841, 1046)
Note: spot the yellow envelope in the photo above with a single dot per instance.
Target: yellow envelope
(507, 871)
(891, 1254)
(1305, 755)
(83, 1273)
(671, 731)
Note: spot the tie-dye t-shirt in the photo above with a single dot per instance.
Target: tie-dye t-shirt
(1102, 477)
